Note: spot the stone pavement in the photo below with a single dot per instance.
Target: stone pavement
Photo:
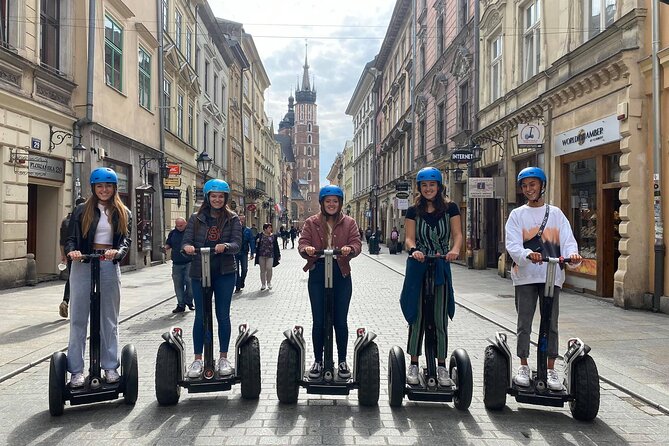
(224, 418)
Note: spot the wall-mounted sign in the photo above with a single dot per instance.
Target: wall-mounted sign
(46, 167)
(172, 193)
(530, 135)
(35, 144)
(592, 134)
(403, 186)
(462, 156)
(172, 182)
(402, 195)
(175, 169)
(251, 207)
(481, 188)
(401, 204)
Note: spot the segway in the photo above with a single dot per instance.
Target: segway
(428, 388)
(290, 375)
(581, 379)
(171, 358)
(95, 389)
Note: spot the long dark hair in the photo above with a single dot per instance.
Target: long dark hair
(440, 202)
(117, 207)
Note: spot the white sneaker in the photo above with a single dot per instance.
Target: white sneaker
(412, 374)
(316, 370)
(343, 371)
(553, 380)
(442, 377)
(223, 367)
(112, 376)
(195, 369)
(523, 376)
(77, 380)
(269, 285)
(262, 288)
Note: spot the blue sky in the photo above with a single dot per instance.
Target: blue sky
(342, 35)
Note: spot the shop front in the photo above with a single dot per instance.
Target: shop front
(589, 168)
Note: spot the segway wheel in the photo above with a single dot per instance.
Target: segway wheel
(167, 375)
(249, 368)
(396, 376)
(129, 374)
(369, 380)
(585, 389)
(57, 383)
(495, 379)
(287, 371)
(460, 370)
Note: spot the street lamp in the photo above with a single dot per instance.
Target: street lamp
(78, 157)
(270, 204)
(348, 209)
(203, 163)
(457, 173)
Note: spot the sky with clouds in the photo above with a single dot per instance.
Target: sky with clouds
(342, 35)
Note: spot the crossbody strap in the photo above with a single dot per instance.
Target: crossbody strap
(543, 223)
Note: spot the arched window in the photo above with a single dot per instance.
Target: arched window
(309, 164)
(308, 139)
(309, 176)
(309, 151)
(309, 127)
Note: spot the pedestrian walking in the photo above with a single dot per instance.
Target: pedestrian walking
(330, 229)
(284, 234)
(214, 226)
(267, 255)
(394, 240)
(180, 266)
(432, 228)
(100, 225)
(293, 236)
(63, 308)
(248, 247)
(533, 231)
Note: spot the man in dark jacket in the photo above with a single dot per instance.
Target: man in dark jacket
(293, 235)
(180, 267)
(64, 306)
(248, 246)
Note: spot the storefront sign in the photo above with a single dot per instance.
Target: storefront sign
(175, 169)
(481, 188)
(590, 135)
(172, 182)
(402, 195)
(402, 204)
(251, 207)
(46, 167)
(462, 156)
(172, 193)
(530, 135)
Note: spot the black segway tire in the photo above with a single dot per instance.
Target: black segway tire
(129, 374)
(495, 378)
(460, 370)
(585, 389)
(368, 375)
(287, 371)
(57, 383)
(168, 362)
(396, 376)
(249, 368)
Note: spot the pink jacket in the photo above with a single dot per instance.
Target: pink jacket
(344, 233)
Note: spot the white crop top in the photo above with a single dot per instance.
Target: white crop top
(103, 233)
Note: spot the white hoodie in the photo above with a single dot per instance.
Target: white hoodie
(557, 237)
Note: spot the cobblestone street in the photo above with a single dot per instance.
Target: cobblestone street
(225, 418)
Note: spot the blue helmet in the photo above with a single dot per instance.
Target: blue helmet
(531, 172)
(215, 185)
(428, 174)
(104, 175)
(330, 190)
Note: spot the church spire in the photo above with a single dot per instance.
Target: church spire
(305, 76)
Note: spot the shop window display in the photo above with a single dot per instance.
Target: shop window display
(583, 183)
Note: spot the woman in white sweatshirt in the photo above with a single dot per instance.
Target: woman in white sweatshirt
(524, 234)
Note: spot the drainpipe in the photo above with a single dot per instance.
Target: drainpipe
(161, 117)
(241, 128)
(658, 285)
(88, 119)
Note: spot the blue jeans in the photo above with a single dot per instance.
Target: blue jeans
(242, 268)
(342, 298)
(182, 284)
(223, 286)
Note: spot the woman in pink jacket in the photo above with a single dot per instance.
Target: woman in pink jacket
(330, 229)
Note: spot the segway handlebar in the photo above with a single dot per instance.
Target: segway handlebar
(555, 259)
(87, 257)
(199, 250)
(323, 252)
(434, 257)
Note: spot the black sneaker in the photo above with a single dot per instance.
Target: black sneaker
(190, 307)
(316, 370)
(179, 309)
(343, 370)
(238, 290)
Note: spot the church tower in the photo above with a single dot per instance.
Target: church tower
(306, 146)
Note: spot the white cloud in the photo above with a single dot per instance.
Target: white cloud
(343, 36)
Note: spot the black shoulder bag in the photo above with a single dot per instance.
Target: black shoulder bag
(535, 243)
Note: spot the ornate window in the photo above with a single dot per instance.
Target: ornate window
(599, 15)
(531, 39)
(50, 21)
(113, 54)
(144, 78)
(495, 68)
